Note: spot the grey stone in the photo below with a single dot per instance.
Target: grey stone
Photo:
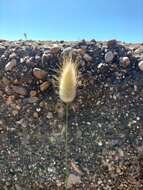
(109, 56)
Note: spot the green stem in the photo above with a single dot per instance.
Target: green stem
(66, 148)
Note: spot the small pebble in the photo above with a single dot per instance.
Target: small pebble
(35, 115)
(49, 115)
(33, 93)
(60, 110)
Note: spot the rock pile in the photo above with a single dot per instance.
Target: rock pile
(27, 67)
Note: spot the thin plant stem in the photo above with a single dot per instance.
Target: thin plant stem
(66, 147)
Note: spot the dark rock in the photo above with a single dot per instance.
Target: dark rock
(2, 49)
(112, 43)
(82, 42)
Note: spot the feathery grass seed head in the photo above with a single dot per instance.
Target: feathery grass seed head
(68, 81)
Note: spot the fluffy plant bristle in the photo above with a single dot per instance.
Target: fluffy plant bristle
(68, 81)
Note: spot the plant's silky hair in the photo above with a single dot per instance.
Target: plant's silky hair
(68, 81)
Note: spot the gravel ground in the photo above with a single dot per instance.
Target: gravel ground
(105, 132)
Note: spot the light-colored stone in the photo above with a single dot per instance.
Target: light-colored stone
(109, 56)
(55, 49)
(73, 180)
(67, 51)
(139, 50)
(140, 65)
(13, 55)
(44, 86)
(35, 115)
(2, 47)
(125, 61)
(10, 65)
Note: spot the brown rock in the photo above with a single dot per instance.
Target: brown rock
(19, 90)
(9, 100)
(44, 86)
(81, 51)
(75, 168)
(33, 93)
(39, 73)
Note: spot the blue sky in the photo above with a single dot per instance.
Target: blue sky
(72, 19)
